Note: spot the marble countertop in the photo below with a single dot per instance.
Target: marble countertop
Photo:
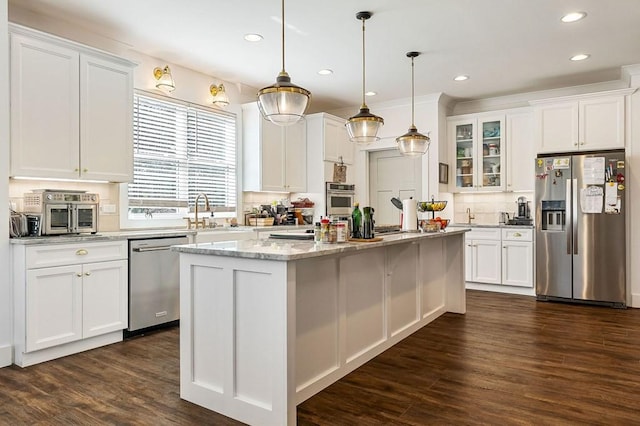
(269, 249)
(146, 233)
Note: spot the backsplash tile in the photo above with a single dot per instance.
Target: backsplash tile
(486, 207)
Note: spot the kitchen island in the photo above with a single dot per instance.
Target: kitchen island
(266, 324)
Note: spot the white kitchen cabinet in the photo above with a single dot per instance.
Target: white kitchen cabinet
(478, 152)
(521, 151)
(483, 255)
(329, 131)
(71, 110)
(274, 157)
(517, 257)
(69, 297)
(581, 123)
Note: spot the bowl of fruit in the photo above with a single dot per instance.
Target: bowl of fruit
(431, 206)
(442, 223)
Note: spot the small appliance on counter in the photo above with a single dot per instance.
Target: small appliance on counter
(523, 215)
(62, 212)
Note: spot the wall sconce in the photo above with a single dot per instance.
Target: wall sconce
(165, 79)
(220, 97)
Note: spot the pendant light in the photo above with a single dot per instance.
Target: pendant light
(283, 103)
(363, 127)
(412, 143)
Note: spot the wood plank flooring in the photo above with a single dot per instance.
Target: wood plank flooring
(509, 360)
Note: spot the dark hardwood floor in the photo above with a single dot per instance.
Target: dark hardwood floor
(509, 360)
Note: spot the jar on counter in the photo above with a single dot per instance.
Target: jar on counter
(317, 232)
(341, 232)
(324, 230)
(333, 233)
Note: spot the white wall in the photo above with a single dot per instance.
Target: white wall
(6, 294)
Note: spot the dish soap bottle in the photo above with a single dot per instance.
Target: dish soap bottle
(356, 219)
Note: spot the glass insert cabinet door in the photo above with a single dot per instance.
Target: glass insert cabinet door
(491, 158)
(465, 153)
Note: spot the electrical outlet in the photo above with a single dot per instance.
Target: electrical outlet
(108, 208)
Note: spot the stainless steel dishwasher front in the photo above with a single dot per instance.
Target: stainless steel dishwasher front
(154, 281)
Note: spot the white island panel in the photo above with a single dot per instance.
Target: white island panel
(404, 287)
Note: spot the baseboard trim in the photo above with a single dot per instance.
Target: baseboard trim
(6, 355)
(635, 300)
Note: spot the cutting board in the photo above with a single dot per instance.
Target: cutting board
(292, 235)
(365, 240)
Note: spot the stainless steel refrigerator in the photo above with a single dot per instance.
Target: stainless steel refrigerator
(580, 227)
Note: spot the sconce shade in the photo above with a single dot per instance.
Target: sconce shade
(165, 79)
(363, 127)
(283, 103)
(220, 97)
(412, 143)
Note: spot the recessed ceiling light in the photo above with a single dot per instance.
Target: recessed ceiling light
(325, 71)
(461, 77)
(573, 17)
(371, 93)
(580, 57)
(253, 37)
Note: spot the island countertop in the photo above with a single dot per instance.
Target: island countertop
(271, 249)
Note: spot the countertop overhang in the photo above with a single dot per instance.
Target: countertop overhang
(286, 250)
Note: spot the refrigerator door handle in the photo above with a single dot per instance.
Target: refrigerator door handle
(574, 216)
(567, 212)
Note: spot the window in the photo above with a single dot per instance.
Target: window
(179, 151)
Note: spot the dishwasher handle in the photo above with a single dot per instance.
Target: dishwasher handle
(146, 249)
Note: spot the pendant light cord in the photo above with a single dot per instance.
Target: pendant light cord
(283, 71)
(364, 105)
(412, 96)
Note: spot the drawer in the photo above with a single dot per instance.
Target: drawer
(517, 234)
(483, 234)
(45, 255)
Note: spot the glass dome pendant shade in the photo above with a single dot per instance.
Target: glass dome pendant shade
(283, 103)
(363, 127)
(412, 143)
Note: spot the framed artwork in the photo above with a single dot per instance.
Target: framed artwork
(443, 173)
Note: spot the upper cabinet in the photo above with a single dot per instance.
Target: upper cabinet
(521, 150)
(71, 110)
(329, 131)
(581, 123)
(274, 157)
(478, 152)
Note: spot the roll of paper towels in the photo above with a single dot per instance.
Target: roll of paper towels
(409, 215)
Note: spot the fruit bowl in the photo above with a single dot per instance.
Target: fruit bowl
(443, 222)
(431, 206)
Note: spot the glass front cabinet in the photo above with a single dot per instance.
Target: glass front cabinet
(478, 154)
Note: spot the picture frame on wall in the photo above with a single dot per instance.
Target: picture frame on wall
(443, 173)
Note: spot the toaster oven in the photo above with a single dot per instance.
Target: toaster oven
(64, 212)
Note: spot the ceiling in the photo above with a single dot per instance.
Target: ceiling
(505, 46)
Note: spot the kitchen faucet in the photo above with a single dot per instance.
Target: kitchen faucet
(206, 206)
(469, 215)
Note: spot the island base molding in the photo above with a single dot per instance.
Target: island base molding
(260, 336)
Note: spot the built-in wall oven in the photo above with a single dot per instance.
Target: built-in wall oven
(63, 211)
(340, 198)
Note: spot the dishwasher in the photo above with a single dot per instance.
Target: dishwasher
(154, 284)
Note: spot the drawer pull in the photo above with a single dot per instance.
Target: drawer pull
(82, 252)
(517, 234)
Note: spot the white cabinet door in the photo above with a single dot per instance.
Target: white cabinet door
(337, 145)
(104, 297)
(601, 123)
(45, 109)
(295, 157)
(517, 263)
(106, 105)
(273, 159)
(485, 261)
(557, 127)
(521, 152)
(53, 306)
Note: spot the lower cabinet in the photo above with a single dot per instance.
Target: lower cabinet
(68, 294)
(499, 256)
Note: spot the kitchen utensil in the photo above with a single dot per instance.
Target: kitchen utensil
(396, 202)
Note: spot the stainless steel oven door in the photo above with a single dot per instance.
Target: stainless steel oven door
(56, 219)
(86, 218)
(339, 204)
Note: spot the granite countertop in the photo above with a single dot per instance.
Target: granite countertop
(145, 233)
(294, 249)
(481, 225)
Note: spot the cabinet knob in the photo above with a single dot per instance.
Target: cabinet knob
(575, 144)
(82, 252)
(85, 170)
(78, 274)
(87, 273)
(76, 170)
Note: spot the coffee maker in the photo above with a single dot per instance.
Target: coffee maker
(523, 216)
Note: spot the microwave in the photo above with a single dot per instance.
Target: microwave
(340, 198)
(64, 212)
